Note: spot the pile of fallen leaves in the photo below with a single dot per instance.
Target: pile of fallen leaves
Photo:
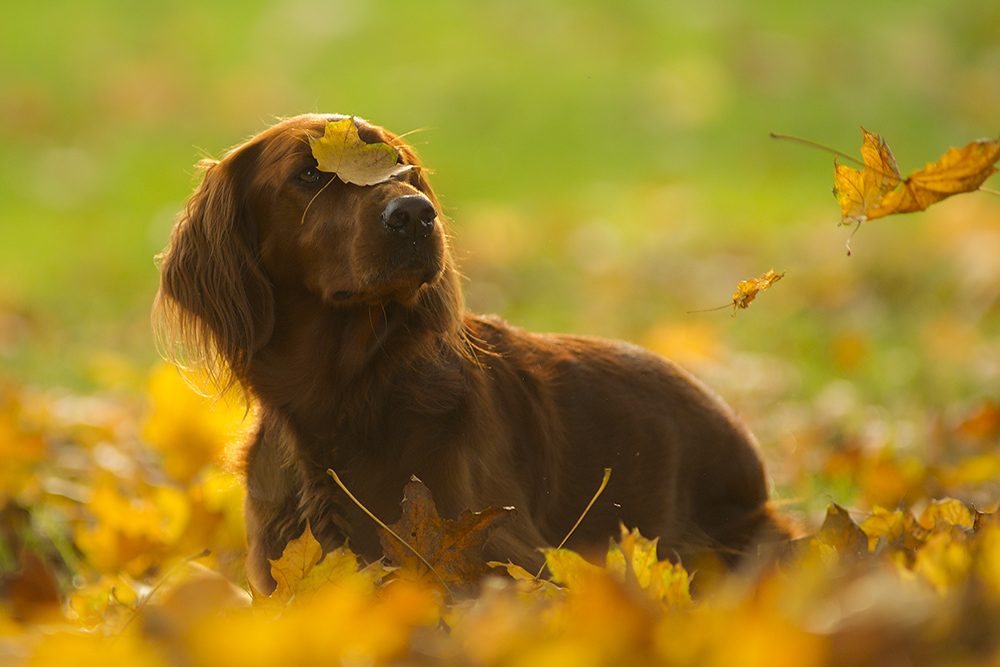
(121, 542)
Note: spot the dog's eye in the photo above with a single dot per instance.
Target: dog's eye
(310, 175)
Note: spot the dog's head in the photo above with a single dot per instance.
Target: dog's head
(340, 241)
(266, 221)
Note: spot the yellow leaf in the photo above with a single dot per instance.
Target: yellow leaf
(297, 560)
(569, 568)
(746, 291)
(878, 189)
(341, 151)
(192, 431)
(335, 566)
(883, 524)
(670, 584)
(941, 515)
(959, 170)
(632, 557)
(897, 529)
(943, 561)
(860, 190)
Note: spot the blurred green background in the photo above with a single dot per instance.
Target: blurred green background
(606, 165)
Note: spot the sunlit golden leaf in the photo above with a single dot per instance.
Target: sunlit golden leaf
(941, 515)
(569, 568)
(342, 152)
(298, 559)
(879, 190)
(747, 290)
(859, 191)
(959, 170)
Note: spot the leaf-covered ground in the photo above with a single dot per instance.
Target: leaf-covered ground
(121, 541)
(606, 176)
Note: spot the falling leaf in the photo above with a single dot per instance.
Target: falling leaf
(879, 190)
(746, 291)
(959, 170)
(859, 191)
(454, 549)
(341, 151)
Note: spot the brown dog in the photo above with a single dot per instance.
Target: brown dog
(338, 308)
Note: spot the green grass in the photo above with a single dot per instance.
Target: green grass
(625, 144)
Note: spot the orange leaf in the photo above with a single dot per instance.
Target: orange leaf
(454, 549)
(878, 190)
(840, 532)
(859, 191)
(747, 290)
(959, 170)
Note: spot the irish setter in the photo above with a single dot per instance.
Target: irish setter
(339, 309)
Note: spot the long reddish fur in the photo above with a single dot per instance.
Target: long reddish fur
(361, 357)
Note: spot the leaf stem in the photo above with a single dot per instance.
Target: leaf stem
(604, 484)
(814, 144)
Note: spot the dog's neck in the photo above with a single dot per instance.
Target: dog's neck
(328, 368)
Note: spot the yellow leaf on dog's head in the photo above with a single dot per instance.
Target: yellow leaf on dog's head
(341, 151)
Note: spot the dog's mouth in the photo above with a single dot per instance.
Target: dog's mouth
(401, 283)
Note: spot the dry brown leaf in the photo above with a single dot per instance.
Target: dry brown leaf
(840, 532)
(454, 549)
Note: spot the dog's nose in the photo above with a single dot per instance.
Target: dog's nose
(410, 216)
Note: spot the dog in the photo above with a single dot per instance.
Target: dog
(338, 309)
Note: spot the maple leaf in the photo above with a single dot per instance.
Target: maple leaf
(942, 514)
(297, 560)
(341, 151)
(746, 291)
(570, 569)
(840, 532)
(878, 190)
(859, 191)
(453, 549)
(633, 558)
(893, 529)
(303, 569)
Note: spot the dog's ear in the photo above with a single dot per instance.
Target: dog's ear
(215, 305)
